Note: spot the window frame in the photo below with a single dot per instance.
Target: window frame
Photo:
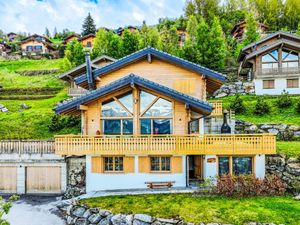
(113, 164)
(268, 86)
(288, 85)
(160, 164)
(231, 173)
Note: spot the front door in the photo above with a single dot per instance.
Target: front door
(195, 169)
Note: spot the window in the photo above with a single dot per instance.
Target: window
(270, 60)
(117, 115)
(290, 59)
(242, 165)
(160, 164)
(156, 114)
(292, 83)
(29, 48)
(38, 48)
(194, 126)
(268, 84)
(224, 166)
(113, 164)
(89, 44)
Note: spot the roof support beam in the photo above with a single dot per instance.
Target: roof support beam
(149, 58)
(83, 107)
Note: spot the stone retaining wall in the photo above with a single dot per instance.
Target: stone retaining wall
(77, 214)
(231, 89)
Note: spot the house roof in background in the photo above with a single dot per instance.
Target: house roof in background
(71, 106)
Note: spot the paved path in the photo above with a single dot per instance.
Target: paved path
(34, 210)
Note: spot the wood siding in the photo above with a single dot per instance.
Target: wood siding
(176, 164)
(46, 179)
(160, 72)
(144, 164)
(8, 179)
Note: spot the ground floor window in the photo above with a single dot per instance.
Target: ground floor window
(240, 165)
(160, 164)
(292, 83)
(113, 164)
(268, 84)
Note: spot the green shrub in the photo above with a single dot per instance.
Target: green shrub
(284, 100)
(261, 107)
(238, 105)
(298, 107)
(59, 122)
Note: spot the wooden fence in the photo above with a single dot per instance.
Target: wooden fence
(26, 147)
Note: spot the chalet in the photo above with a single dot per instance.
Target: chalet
(273, 63)
(143, 125)
(70, 75)
(239, 29)
(4, 48)
(129, 28)
(36, 44)
(71, 38)
(87, 41)
(11, 36)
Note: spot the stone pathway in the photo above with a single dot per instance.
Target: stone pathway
(35, 210)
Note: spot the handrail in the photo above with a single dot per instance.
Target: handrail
(278, 71)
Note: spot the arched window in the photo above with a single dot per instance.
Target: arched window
(290, 59)
(117, 114)
(270, 60)
(155, 114)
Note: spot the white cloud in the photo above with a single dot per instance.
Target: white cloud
(33, 16)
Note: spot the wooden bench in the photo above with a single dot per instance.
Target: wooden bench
(161, 184)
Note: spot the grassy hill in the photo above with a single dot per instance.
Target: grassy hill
(30, 123)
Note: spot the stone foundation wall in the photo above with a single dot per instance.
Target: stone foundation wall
(231, 89)
(76, 176)
(288, 169)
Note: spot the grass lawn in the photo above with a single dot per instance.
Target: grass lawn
(290, 148)
(205, 209)
(287, 115)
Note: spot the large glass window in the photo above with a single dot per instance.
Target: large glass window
(156, 114)
(290, 59)
(224, 166)
(270, 60)
(113, 164)
(160, 164)
(242, 165)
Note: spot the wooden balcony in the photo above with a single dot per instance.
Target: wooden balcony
(220, 144)
(26, 147)
(278, 72)
(218, 107)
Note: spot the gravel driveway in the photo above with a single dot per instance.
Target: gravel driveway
(35, 210)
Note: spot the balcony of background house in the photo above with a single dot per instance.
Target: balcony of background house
(76, 91)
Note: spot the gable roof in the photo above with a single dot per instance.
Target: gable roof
(72, 106)
(34, 37)
(214, 78)
(78, 70)
(86, 36)
(72, 35)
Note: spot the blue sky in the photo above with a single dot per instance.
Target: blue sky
(34, 15)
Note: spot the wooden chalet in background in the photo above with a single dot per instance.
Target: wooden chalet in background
(87, 41)
(36, 44)
(4, 48)
(11, 36)
(71, 38)
(238, 31)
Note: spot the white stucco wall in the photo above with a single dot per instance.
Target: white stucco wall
(259, 166)
(210, 169)
(280, 84)
(105, 181)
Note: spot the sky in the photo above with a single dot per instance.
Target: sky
(34, 15)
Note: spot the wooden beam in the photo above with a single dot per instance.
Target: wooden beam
(83, 107)
(149, 58)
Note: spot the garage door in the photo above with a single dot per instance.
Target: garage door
(44, 179)
(8, 179)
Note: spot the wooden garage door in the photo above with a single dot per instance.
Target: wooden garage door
(8, 179)
(43, 179)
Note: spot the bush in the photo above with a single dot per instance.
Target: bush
(298, 107)
(238, 105)
(248, 185)
(261, 107)
(59, 122)
(284, 100)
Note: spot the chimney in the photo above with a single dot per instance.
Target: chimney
(89, 71)
(225, 129)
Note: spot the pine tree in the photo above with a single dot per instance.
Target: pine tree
(216, 52)
(169, 40)
(202, 41)
(88, 26)
(251, 34)
(130, 42)
(192, 27)
(47, 33)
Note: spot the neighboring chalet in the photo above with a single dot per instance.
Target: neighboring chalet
(129, 28)
(143, 126)
(4, 48)
(71, 38)
(87, 41)
(11, 36)
(274, 63)
(71, 74)
(182, 35)
(36, 44)
(239, 29)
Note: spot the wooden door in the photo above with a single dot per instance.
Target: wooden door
(8, 179)
(198, 165)
(43, 179)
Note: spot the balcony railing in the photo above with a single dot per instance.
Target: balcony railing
(218, 107)
(76, 91)
(220, 144)
(26, 147)
(272, 72)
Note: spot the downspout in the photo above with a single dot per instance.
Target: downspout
(89, 74)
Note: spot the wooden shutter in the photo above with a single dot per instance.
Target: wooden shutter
(144, 164)
(176, 164)
(97, 164)
(129, 164)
